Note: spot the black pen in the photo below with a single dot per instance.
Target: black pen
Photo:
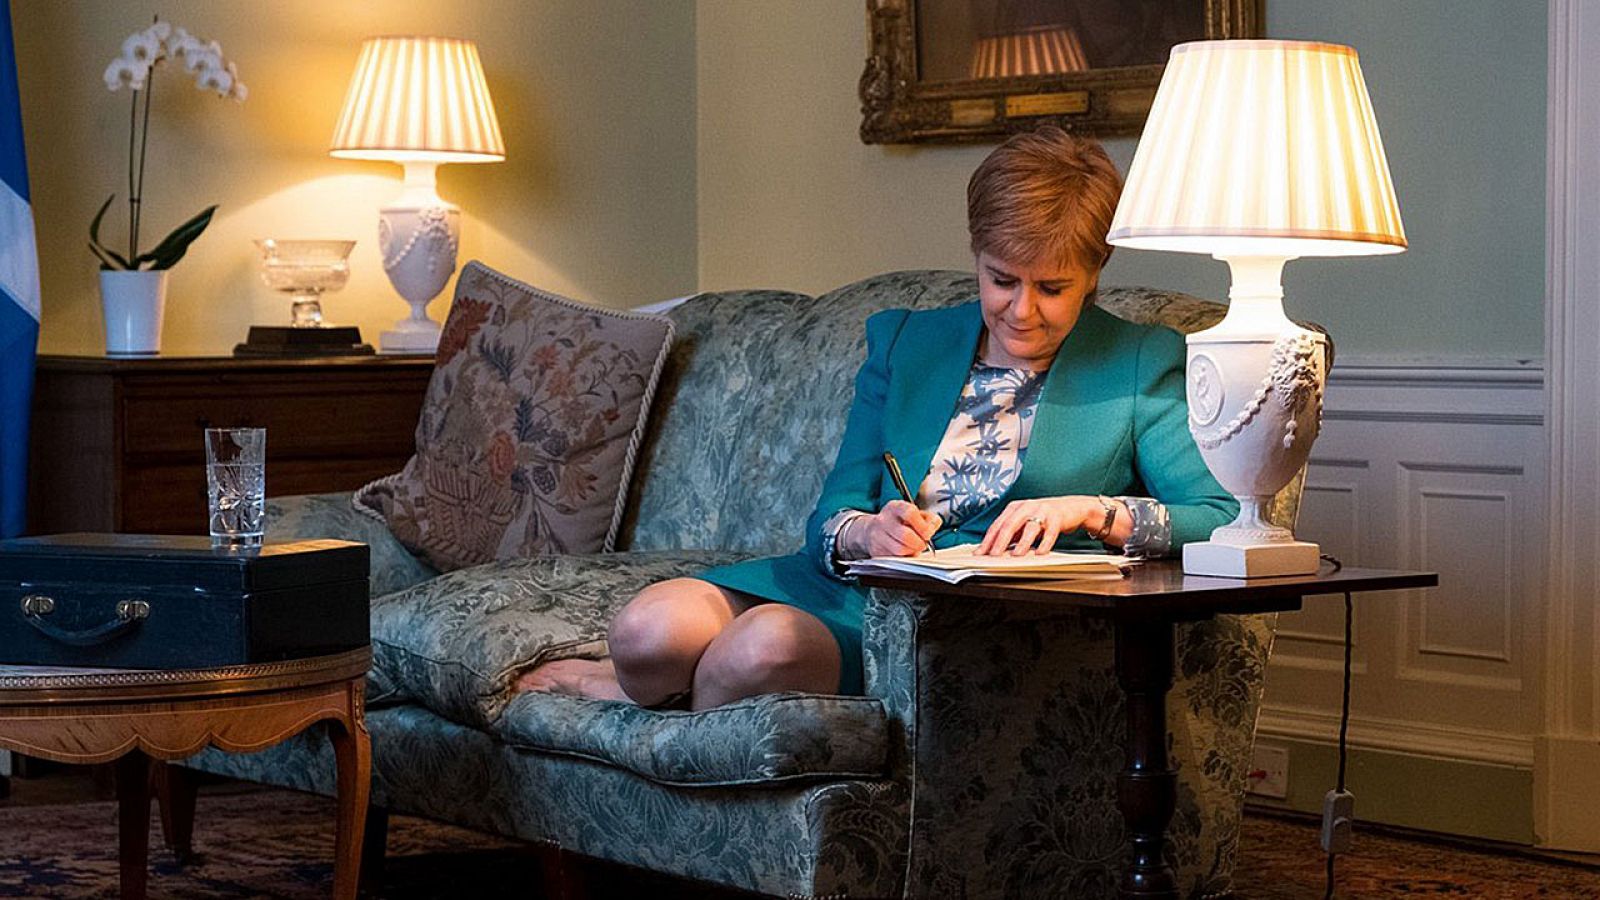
(900, 484)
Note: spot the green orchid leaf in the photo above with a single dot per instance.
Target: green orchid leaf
(109, 259)
(172, 248)
(94, 232)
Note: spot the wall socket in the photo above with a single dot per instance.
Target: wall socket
(1269, 772)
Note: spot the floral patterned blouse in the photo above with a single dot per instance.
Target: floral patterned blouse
(983, 447)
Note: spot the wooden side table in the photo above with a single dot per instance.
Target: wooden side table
(138, 716)
(116, 443)
(1144, 609)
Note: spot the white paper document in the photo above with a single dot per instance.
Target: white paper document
(956, 564)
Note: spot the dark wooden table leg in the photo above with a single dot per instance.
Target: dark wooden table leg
(175, 789)
(374, 851)
(563, 873)
(1147, 787)
(133, 822)
(352, 749)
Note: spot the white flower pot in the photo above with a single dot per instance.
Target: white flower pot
(133, 303)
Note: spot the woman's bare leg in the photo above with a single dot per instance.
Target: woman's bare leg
(771, 647)
(656, 642)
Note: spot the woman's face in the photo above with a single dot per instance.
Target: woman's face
(1028, 310)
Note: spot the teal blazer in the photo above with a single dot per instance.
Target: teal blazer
(1111, 419)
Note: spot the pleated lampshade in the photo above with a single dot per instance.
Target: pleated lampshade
(1043, 50)
(1260, 148)
(420, 99)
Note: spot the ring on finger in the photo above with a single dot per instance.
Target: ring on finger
(1035, 520)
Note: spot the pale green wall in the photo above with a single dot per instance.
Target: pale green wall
(789, 197)
(595, 198)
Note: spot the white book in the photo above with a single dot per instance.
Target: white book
(954, 565)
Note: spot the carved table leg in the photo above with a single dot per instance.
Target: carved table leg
(175, 791)
(352, 748)
(1147, 787)
(133, 822)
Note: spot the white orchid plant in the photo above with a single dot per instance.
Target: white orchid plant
(142, 53)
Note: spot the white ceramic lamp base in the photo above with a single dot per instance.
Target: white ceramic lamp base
(1255, 406)
(418, 235)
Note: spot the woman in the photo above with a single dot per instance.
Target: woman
(1016, 414)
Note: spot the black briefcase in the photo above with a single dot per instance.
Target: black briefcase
(157, 602)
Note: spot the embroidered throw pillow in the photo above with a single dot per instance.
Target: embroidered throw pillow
(529, 427)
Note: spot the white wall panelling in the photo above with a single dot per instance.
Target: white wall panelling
(1438, 467)
(1567, 751)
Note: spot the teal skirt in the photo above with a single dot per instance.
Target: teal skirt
(795, 581)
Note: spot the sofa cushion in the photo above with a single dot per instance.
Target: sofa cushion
(765, 739)
(529, 427)
(455, 644)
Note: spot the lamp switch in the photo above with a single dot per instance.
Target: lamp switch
(1338, 819)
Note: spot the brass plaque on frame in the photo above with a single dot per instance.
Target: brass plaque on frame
(1058, 104)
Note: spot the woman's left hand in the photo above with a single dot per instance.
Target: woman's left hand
(1026, 526)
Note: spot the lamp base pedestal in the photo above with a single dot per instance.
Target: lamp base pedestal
(410, 340)
(1251, 561)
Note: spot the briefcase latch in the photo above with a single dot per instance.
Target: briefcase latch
(38, 605)
(129, 610)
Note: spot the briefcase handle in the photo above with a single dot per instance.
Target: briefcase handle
(129, 615)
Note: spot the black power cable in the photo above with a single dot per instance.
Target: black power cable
(1328, 813)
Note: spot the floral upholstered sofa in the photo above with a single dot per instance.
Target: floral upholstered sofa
(981, 762)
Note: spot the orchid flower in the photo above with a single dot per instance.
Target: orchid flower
(218, 80)
(121, 73)
(142, 52)
(198, 57)
(141, 48)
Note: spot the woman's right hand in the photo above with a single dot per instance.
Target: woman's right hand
(899, 529)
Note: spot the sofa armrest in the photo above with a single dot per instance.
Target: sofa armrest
(312, 516)
(1007, 725)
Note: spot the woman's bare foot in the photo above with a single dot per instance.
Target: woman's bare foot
(592, 678)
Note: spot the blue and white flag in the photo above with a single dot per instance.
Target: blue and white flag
(19, 293)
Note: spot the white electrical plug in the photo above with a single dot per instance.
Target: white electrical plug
(1338, 819)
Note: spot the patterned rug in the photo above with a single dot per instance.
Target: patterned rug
(266, 844)
(1281, 859)
(276, 844)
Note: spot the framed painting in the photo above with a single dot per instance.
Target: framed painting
(953, 71)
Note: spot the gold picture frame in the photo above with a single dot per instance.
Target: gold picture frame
(935, 74)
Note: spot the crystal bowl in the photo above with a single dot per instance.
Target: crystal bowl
(305, 270)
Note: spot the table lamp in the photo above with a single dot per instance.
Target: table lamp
(418, 101)
(1258, 152)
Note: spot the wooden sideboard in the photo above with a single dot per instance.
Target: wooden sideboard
(116, 443)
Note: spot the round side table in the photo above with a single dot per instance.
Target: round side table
(136, 716)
